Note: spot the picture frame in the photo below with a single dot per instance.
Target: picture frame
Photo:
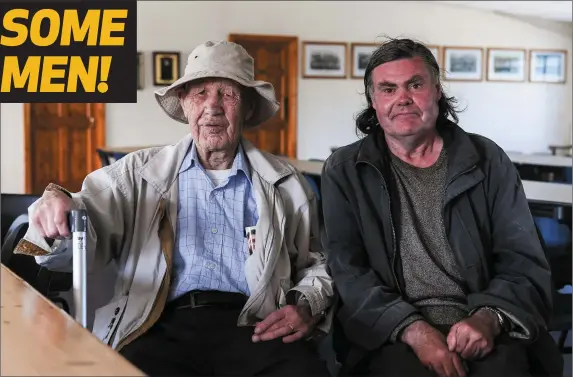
(324, 60)
(462, 63)
(437, 52)
(165, 68)
(140, 71)
(359, 56)
(506, 64)
(548, 66)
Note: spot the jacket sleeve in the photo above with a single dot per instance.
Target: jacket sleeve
(520, 284)
(370, 310)
(311, 278)
(105, 200)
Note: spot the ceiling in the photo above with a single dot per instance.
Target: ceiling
(551, 10)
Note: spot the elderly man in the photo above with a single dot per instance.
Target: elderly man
(437, 260)
(192, 298)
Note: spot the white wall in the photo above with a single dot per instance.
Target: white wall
(519, 116)
(12, 147)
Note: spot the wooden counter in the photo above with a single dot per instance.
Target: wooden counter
(40, 339)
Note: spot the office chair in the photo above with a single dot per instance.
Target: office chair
(15, 219)
(561, 320)
(12, 206)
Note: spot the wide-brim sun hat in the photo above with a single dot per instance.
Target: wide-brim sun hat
(221, 59)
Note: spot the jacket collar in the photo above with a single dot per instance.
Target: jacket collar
(462, 154)
(240, 164)
(162, 169)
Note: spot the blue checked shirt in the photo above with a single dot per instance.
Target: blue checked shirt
(211, 248)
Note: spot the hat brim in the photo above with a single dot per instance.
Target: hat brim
(266, 104)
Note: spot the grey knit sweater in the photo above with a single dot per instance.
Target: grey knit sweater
(433, 282)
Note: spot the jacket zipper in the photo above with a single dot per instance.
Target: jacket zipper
(150, 321)
(393, 231)
(446, 189)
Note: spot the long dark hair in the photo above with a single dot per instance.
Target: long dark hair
(395, 49)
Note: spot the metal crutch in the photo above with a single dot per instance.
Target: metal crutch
(78, 221)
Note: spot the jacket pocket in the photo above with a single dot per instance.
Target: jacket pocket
(107, 319)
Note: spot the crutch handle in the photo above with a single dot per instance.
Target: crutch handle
(78, 225)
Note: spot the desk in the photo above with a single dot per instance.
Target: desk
(307, 167)
(39, 339)
(125, 150)
(548, 192)
(540, 159)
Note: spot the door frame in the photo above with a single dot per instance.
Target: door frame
(99, 129)
(292, 66)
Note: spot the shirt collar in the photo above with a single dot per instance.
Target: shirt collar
(240, 163)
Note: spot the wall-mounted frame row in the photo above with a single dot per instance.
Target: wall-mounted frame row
(504, 64)
(334, 60)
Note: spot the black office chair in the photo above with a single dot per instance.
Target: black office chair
(561, 319)
(12, 206)
(14, 226)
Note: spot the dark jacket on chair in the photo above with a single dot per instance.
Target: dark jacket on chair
(488, 225)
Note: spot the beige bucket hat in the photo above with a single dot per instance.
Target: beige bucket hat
(225, 60)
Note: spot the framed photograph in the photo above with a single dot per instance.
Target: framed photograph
(165, 68)
(324, 60)
(547, 66)
(463, 63)
(359, 56)
(437, 54)
(505, 64)
(140, 71)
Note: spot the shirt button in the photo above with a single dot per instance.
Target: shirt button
(211, 266)
(214, 230)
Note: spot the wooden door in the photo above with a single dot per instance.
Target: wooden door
(276, 61)
(60, 143)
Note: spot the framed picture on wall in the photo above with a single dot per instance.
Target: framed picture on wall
(165, 68)
(436, 51)
(505, 64)
(359, 56)
(547, 66)
(324, 60)
(463, 63)
(140, 71)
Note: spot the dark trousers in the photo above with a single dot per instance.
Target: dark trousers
(508, 359)
(206, 340)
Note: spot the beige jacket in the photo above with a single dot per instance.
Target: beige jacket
(132, 208)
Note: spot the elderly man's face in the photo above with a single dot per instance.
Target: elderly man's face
(215, 110)
(405, 97)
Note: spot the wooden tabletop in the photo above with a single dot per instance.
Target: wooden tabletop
(40, 339)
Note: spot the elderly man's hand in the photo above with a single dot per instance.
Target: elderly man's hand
(50, 217)
(292, 322)
(473, 338)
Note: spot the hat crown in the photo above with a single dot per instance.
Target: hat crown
(221, 56)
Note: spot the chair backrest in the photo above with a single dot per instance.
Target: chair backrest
(104, 157)
(12, 206)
